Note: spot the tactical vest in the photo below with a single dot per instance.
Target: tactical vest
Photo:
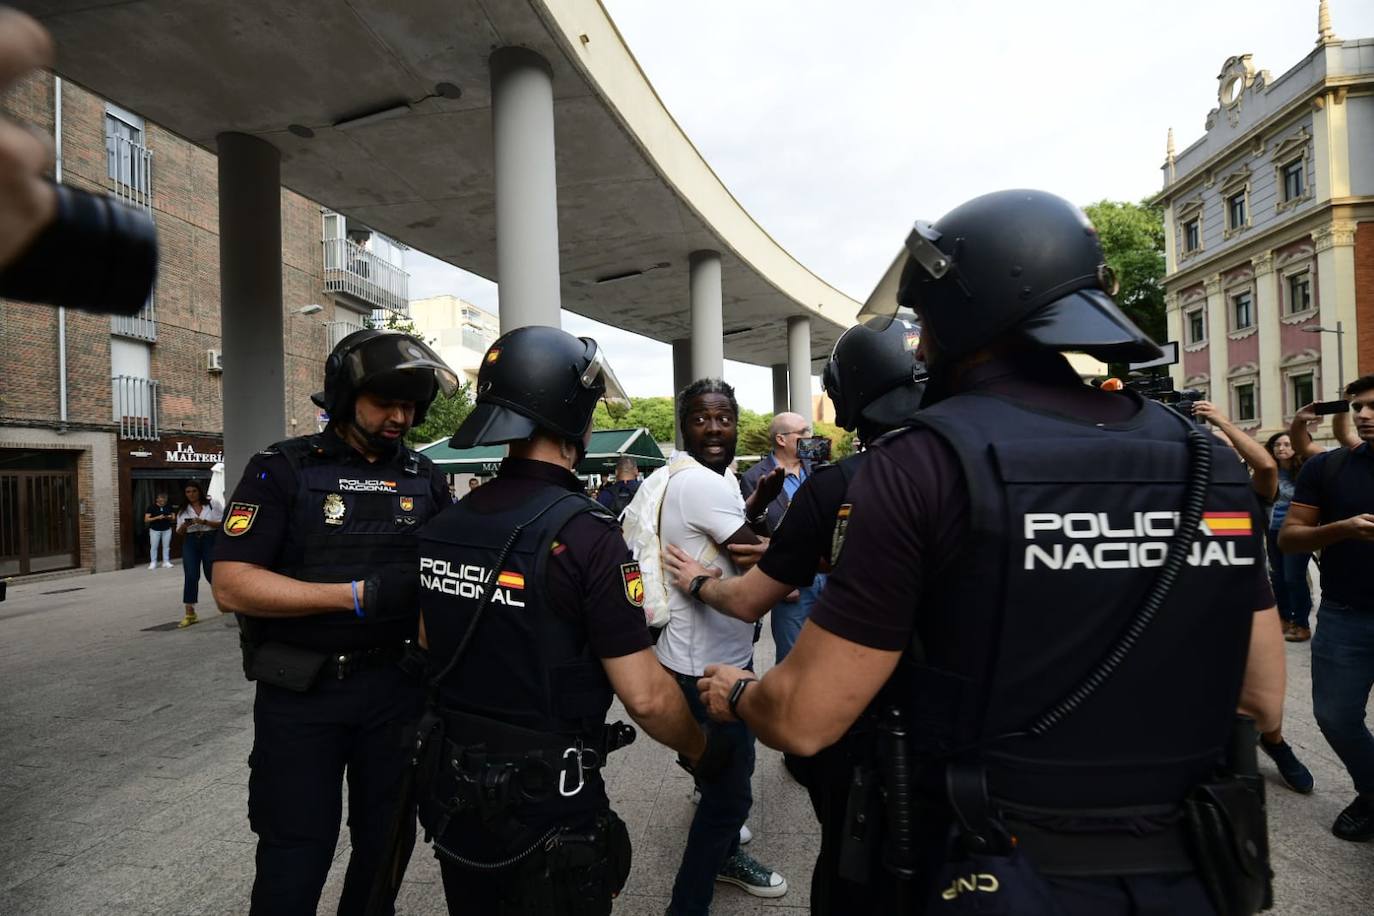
(1069, 522)
(349, 520)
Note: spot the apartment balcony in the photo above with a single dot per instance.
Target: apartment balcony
(130, 170)
(353, 271)
(136, 407)
(335, 331)
(141, 326)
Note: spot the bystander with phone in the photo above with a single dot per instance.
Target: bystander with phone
(159, 519)
(198, 521)
(1300, 431)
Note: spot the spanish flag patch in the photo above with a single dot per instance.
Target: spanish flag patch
(511, 580)
(1226, 524)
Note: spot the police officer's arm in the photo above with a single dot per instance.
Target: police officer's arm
(654, 700)
(747, 597)
(1261, 695)
(243, 588)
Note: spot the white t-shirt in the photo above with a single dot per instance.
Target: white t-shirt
(208, 512)
(701, 510)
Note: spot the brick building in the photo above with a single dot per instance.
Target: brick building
(1269, 228)
(99, 413)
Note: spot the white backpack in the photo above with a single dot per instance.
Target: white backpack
(640, 524)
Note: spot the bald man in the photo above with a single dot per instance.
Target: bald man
(786, 428)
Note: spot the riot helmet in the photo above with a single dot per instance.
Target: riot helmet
(389, 364)
(874, 377)
(537, 378)
(1018, 261)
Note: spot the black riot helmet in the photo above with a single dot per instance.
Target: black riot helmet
(385, 363)
(537, 378)
(1022, 261)
(874, 377)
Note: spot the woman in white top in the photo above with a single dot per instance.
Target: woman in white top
(197, 521)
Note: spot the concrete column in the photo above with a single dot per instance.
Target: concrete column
(1218, 362)
(250, 299)
(780, 392)
(708, 321)
(1270, 351)
(1173, 322)
(682, 377)
(799, 365)
(1335, 246)
(526, 188)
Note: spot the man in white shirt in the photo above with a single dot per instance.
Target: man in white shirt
(704, 513)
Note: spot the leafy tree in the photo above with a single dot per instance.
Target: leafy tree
(444, 416)
(655, 414)
(1133, 239)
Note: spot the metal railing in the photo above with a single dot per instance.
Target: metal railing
(335, 331)
(141, 325)
(130, 168)
(352, 269)
(136, 407)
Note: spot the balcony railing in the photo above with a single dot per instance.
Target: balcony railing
(335, 331)
(141, 325)
(130, 167)
(136, 407)
(357, 272)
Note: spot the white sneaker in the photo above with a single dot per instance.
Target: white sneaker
(745, 835)
(164, 566)
(152, 566)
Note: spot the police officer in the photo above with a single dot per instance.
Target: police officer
(533, 613)
(876, 382)
(319, 559)
(1048, 604)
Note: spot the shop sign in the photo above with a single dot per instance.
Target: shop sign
(185, 453)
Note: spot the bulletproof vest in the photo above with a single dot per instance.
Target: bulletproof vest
(1070, 521)
(846, 467)
(348, 521)
(526, 665)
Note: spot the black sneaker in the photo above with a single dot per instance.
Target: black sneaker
(1356, 822)
(1296, 776)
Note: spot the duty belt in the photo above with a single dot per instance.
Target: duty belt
(1105, 849)
(350, 663)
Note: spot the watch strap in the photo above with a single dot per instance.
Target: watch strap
(736, 692)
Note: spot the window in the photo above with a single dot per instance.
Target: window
(1302, 391)
(1299, 294)
(1294, 179)
(1192, 235)
(1242, 311)
(1197, 327)
(1245, 402)
(124, 153)
(475, 340)
(1235, 211)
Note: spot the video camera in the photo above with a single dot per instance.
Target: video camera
(814, 448)
(1149, 380)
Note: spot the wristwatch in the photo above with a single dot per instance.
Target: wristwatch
(736, 692)
(694, 587)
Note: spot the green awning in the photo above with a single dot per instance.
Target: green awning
(606, 446)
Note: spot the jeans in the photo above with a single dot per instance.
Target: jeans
(788, 617)
(197, 553)
(1288, 576)
(154, 539)
(1342, 676)
(714, 834)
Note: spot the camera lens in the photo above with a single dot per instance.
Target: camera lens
(97, 255)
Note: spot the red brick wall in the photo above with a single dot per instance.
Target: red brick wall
(1364, 295)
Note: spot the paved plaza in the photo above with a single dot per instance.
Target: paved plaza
(123, 775)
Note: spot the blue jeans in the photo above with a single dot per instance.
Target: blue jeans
(714, 834)
(197, 553)
(788, 617)
(1288, 576)
(1342, 676)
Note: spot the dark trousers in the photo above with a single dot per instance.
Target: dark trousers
(1342, 678)
(197, 554)
(1288, 576)
(714, 835)
(303, 744)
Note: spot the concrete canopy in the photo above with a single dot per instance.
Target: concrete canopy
(633, 193)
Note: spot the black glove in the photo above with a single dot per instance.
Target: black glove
(391, 594)
(714, 760)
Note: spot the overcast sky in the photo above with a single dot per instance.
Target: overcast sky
(838, 124)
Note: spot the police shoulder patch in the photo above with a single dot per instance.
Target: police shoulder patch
(239, 518)
(841, 529)
(634, 583)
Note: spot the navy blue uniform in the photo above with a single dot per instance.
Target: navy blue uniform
(316, 510)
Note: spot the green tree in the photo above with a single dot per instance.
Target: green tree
(1133, 240)
(655, 414)
(444, 416)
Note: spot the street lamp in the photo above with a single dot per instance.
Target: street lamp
(1339, 331)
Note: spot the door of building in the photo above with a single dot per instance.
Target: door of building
(38, 525)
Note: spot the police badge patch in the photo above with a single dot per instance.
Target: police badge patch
(334, 509)
(634, 583)
(239, 518)
(837, 539)
(407, 504)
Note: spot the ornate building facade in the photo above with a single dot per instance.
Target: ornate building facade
(1269, 235)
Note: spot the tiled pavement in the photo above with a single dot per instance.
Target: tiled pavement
(123, 776)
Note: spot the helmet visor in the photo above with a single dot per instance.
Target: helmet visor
(886, 302)
(599, 374)
(394, 352)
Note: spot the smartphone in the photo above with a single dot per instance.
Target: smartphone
(1322, 408)
(814, 448)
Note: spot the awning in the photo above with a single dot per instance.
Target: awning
(606, 446)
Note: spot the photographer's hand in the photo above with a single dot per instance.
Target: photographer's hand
(27, 202)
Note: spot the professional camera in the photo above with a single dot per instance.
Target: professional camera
(97, 255)
(1149, 380)
(814, 448)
